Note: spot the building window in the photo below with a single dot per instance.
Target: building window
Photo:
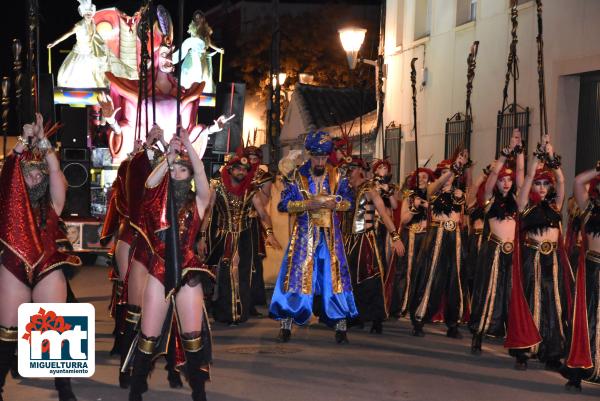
(422, 18)
(466, 11)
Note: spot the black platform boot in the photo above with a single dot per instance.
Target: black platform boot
(476, 344)
(196, 364)
(417, 330)
(127, 335)
(63, 386)
(454, 332)
(377, 327)
(142, 365)
(8, 345)
(521, 360)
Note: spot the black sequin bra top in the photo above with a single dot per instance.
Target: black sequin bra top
(503, 207)
(539, 217)
(446, 203)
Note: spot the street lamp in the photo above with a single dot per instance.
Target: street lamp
(352, 39)
(282, 77)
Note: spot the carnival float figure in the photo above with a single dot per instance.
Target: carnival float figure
(33, 269)
(87, 62)
(315, 262)
(128, 121)
(197, 61)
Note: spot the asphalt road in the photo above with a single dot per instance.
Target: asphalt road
(250, 365)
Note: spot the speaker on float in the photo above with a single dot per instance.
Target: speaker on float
(230, 100)
(75, 164)
(74, 132)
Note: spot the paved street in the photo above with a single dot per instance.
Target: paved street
(250, 365)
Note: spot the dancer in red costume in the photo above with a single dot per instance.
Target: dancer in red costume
(193, 332)
(32, 195)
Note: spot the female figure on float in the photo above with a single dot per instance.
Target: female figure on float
(197, 62)
(86, 64)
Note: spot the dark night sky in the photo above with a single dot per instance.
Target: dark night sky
(58, 16)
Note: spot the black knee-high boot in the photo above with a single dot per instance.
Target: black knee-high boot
(8, 344)
(142, 365)
(127, 335)
(119, 316)
(63, 386)
(196, 365)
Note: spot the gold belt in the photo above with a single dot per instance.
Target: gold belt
(545, 247)
(416, 228)
(448, 225)
(593, 256)
(507, 247)
(321, 217)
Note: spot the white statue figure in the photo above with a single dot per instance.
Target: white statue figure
(197, 62)
(85, 65)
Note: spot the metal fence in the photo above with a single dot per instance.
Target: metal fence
(392, 145)
(506, 124)
(457, 134)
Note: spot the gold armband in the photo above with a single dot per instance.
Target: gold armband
(395, 236)
(269, 231)
(296, 206)
(342, 206)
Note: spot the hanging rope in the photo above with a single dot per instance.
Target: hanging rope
(541, 80)
(471, 64)
(413, 81)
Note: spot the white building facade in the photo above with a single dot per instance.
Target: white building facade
(440, 33)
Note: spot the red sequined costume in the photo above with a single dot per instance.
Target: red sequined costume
(29, 252)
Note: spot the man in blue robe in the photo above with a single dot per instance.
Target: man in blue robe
(315, 262)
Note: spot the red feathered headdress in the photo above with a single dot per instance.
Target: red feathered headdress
(381, 162)
(443, 165)
(413, 180)
(544, 174)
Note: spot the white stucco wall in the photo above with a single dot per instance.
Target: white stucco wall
(571, 35)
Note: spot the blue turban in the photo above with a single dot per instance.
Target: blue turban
(318, 143)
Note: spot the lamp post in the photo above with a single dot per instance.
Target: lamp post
(352, 39)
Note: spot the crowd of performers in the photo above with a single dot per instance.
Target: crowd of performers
(487, 253)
